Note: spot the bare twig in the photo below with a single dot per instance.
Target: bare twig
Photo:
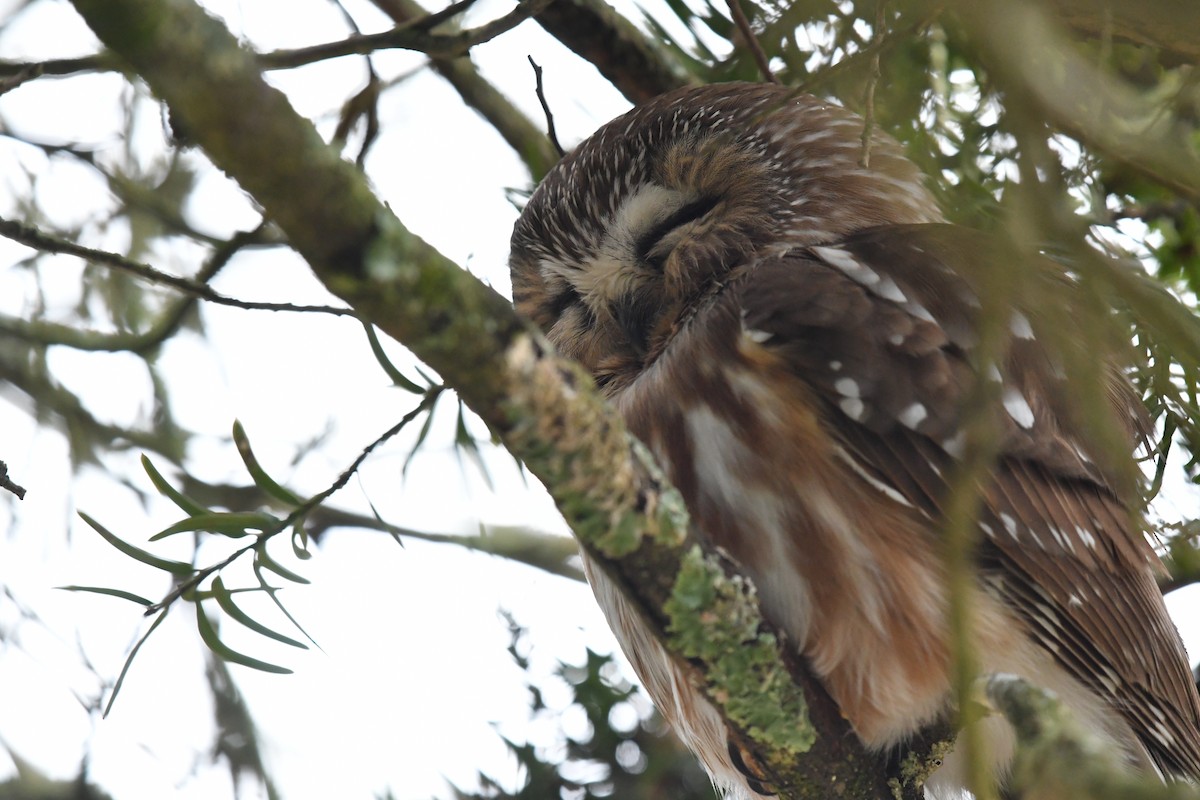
(743, 25)
(407, 37)
(43, 332)
(6, 482)
(57, 67)
(32, 237)
(199, 576)
(27, 73)
(411, 35)
(633, 62)
(541, 96)
(518, 130)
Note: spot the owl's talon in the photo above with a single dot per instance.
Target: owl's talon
(757, 782)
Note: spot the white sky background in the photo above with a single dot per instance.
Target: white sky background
(414, 675)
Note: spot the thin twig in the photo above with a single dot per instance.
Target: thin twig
(541, 96)
(6, 483)
(439, 45)
(57, 67)
(43, 332)
(743, 25)
(413, 36)
(877, 37)
(35, 238)
(199, 576)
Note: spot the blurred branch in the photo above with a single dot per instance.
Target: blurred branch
(19, 72)
(86, 434)
(1182, 559)
(743, 26)
(544, 551)
(412, 34)
(590, 28)
(543, 408)
(1171, 26)
(1057, 758)
(168, 322)
(1080, 99)
(408, 37)
(628, 58)
(31, 236)
(237, 737)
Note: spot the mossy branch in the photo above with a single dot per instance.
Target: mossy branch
(1057, 758)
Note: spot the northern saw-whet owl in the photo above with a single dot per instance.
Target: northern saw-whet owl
(794, 336)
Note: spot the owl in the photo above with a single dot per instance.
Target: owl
(783, 316)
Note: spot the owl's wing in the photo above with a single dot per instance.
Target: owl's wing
(885, 326)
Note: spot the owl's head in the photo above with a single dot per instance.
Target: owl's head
(654, 212)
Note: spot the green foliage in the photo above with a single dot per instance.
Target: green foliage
(714, 618)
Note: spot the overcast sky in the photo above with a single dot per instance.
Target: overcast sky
(413, 681)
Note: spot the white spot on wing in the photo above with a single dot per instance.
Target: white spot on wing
(888, 290)
(757, 336)
(920, 312)
(875, 483)
(1086, 536)
(852, 407)
(912, 416)
(847, 387)
(1018, 408)
(1010, 525)
(1020, 327)
(848, 264)
(955, 445)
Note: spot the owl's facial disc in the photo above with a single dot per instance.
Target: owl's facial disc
(656, 244)
(624, 280)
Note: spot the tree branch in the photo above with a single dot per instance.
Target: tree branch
(33, 237)
(410, 36)
(522, 135)
(545, 551)
(1073, 95)
(629, 59)
(85, 433)
(1171, 26)
(1057, 758)
(169, 319)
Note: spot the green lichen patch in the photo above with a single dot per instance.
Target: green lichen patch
(713, 618)
(604, 481)
(915, 768)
